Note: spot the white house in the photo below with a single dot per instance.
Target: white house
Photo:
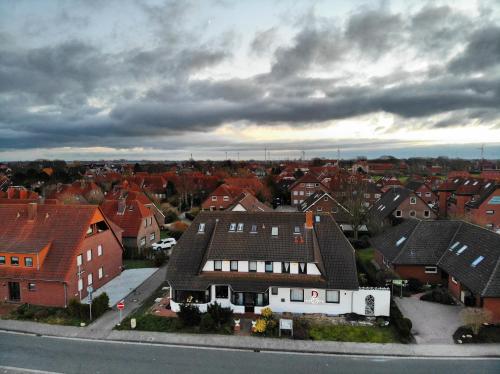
(291, 262)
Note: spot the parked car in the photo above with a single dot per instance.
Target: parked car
(164, 244)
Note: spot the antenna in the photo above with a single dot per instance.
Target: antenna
(265, 154)
(482, 156)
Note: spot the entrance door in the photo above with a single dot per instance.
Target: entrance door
(14, 291)
(249, 302)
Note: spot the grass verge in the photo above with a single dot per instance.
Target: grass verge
(357, 334)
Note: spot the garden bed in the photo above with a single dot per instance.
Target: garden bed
(487, 334)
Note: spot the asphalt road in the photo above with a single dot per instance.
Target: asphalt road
(83, 356)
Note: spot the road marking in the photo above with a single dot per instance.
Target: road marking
(12, 368)
(261, 350)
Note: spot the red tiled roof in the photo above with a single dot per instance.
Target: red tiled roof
(131, 219)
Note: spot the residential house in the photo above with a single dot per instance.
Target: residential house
(140, 228)
(304, 187)
(484, 210)
(247, 202)
(463, 256)
(399, 203)
(423, 190)
(50, 254)
(290, 262)
(222, 197)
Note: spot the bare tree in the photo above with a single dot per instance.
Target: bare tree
(475, 318)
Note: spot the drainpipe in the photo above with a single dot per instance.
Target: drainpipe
(65, 295)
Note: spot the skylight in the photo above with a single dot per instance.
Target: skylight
(487, 185)
(463, 248)
(477, 261)
(254, 229)
(274, 231)
(475, 183)
(296, 230)
(201, 227)
(466, 182)
(456, 180)
(397, 197)
(454, 246)
(398, 243)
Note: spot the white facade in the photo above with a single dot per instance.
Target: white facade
(314, 302)
(312, 268)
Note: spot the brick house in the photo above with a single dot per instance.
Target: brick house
(139, 225)
(222, 197)
(304, 187)
(399, 203)
(50, 253)
(485, 209)
(462, 256)
(423, 190)
(247, 202)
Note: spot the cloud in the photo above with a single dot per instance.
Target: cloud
(263, 41)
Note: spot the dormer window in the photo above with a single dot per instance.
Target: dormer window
(274, 231)
(302, 268)
(218, 265)
(232, 227)
(254, 229)
(201, 227)
(240, 227)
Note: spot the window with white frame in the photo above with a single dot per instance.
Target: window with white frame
(146, 222)
(301, 193)
(201, 227)
(232, 227)
(226, 198)
(254, 229)
(269, 266)
(79, 260)
(234, 266)
(431, 269)
(89, 255)
(143, 241)
(90, 279)
(413, 200)
(221, 292)
(218, 265)
(101, 272)
(427, 213)
(214, 198)
(240, 227)
(152, 237)
(80, 284)
(490, 212)
(297, 294)
(99, 250)
(252, 266)
(332, 296)
(274, 231)
(295, 193)
(427, 194)
(399, 213)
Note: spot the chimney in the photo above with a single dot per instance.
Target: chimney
(11, 192)
(23, 194)
(309, 220)
(32, 208)
(121, 205)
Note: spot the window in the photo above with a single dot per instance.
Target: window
(80, 284)
(89, 231)
(463, 248)
(295, 201)
(454, 280)
(285, 267)
(14, 260)
(427, 213)
(100, 273)
(301, 193)
(221, 292)
(201, 227)
(269, 266)
(79, 260)
(143, 241)
(252, 266)
(398, 243)
(367, 195)
(90, 279)
(413, 200)
(89, 255)
(99, 250)
(427, 194)
(477, 261)
(325, 198)
(31, 287)
(146, 222)
(28, 262)
(218, 265)
(150, 221)
(431, 269)
(419, 193)
(2, 260)
(234, 265)
(302, 268)
(295, 193)
(377, 196)
(274, 231)
(214, 198)
(413, 213)
(399, 213)
(240, 227)
(226, 198)
(274, 290)
(152, 237)
(332, 296)
(454, 246)
(317, 218)
(490, 212)
(319, 209)
(254, 229)
(296, 294)
(232, 227)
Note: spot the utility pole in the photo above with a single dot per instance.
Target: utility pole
(482, 156)
(226, 155)
(265, 154)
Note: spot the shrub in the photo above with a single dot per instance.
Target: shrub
(300, 329)
(219, 315)
(189, 315)
(74, 308)
(207, 323)
(438, 295)
(402, 325)
(267, 313)
(41, 314)
(159, 258)
(100, 305)
(474, 318)
(260, 326)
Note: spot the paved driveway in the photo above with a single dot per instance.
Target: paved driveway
(433, 323)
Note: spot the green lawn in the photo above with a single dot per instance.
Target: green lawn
(358, 334)
(365, 255)
(138, 264)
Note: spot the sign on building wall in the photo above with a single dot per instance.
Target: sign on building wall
(314, 296)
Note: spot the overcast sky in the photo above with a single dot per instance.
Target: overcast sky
(166, 79)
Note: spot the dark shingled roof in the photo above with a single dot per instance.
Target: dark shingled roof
(341, 215)
(414, 185)
(390, 200)
(326, 246)
(433, 243)
(487, 189)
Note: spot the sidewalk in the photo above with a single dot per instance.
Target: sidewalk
(255, 343)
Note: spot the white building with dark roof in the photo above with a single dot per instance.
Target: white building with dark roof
(290, 262)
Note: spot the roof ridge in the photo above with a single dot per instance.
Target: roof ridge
(497, 266)
(406, 241)
(452, 239)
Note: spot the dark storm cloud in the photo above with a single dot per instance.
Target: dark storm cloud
(175, 100)
(482, 52)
